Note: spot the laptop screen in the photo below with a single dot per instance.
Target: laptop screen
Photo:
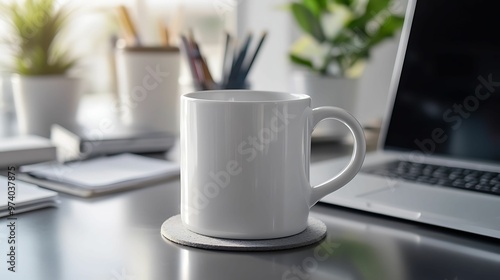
(448, 96)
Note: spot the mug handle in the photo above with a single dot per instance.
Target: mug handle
(358, 153)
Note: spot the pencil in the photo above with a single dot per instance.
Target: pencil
(249, 65)
(198, 60)
(128, 26)
(164, 34)
(209, 81)
(235, 71)
(192, 66)
(225, 74)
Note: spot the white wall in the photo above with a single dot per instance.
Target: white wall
(272, 69)
(375, 82)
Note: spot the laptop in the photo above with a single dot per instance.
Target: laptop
(438, 160)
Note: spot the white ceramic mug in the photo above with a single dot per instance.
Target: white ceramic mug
(245, 162)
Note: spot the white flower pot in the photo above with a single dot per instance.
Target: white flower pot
(328, 91)
(41, 101)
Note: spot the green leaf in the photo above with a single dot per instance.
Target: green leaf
(315, 6)
(301, 61)
(388, 28)
(370, 24)
(373, 8)
(376, 6)
(36, 26)
(344, 2)
(307, 21)
(342, 38)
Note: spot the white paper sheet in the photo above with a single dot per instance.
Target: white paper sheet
(25, 195)
(106, 170)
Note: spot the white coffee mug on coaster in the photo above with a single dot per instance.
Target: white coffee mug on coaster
(245, 162)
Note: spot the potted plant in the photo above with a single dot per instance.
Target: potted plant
(338, 38)
(43, 92)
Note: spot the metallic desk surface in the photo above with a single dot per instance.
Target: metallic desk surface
(117, 237)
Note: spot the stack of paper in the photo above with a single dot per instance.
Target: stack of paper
(25, 150)
(26, 197)
(100, 175)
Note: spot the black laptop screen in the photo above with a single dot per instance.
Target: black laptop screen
(448, 97)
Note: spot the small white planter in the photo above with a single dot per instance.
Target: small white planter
(41, 101)
(328, 91)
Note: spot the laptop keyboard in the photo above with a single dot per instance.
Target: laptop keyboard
(461, 178)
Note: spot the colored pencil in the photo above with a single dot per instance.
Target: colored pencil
(131, 35)
(236, 62)
(225, 73)
(248, 66)
(209, 81)
(192, 67)
(198, 60)
(239, 62)
(164, 34)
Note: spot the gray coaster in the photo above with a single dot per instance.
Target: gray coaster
(174, 230)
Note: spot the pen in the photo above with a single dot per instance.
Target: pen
(192, 66)
(249, 65)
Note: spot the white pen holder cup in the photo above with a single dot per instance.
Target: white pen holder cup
(148, 87)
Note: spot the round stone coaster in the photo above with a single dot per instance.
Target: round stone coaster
(173, 230)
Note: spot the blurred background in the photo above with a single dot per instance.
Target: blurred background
(94, 30)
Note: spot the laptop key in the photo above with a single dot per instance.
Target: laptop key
(458, 183)
(469, 185)
(488, 175)
(483, 188)
(444, 182)
(470, 177)
(484, 181)
(441, 175)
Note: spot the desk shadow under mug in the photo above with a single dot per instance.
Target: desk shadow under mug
(245, 162)
(148, 87)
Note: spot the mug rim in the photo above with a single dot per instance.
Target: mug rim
(292, 97)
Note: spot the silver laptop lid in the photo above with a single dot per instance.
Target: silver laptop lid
(445, 92)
